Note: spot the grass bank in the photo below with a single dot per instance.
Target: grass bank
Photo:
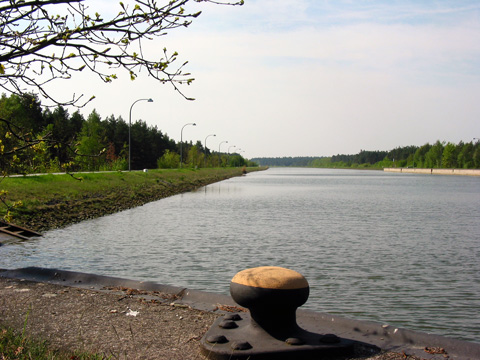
(20, 347)
(52, 201)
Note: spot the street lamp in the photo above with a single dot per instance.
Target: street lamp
(181, 141)
(221, 145)
(205, 159)
(219, 156)
(228, 152)
(129, 135)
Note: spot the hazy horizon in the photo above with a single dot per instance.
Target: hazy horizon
(292, 78)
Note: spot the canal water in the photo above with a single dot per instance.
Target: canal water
(401, 249)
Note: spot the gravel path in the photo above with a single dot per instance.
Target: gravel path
(119, 323)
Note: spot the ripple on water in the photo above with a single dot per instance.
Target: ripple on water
(392, 248)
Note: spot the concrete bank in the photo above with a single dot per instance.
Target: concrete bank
(198, 309)
(467, 172)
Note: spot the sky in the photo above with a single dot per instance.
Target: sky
(281, 78)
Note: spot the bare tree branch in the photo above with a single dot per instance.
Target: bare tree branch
(38, 46)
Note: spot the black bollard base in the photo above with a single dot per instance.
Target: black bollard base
(235, 336)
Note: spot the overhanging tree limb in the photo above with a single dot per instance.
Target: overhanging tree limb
(37, 45)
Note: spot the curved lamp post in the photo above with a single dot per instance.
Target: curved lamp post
(228, 152)
(219, 156)
(205, 159)
(239, 152)
(129, 136)
(221, 145)
(181, 142)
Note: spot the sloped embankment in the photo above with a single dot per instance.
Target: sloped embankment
(62, 200)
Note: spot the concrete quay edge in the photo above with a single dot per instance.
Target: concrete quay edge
(385, 337)
(428, 171)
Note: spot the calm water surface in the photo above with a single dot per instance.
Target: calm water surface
(401, 249)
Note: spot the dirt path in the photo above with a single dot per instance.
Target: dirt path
(117, 324)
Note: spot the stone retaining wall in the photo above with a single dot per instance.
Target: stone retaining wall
(470, 172)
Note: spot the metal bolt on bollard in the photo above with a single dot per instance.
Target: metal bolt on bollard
(270, 330)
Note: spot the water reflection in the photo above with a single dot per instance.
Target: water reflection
(401, 249)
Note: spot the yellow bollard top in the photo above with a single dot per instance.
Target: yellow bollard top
(271, 277)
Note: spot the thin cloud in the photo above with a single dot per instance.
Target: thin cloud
(316, 77)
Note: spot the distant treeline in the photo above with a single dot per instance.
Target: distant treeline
(34, 139)
(285, 161)
(439, 155)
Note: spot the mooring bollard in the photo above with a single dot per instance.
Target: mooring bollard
(272, 294)
(270, 330)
